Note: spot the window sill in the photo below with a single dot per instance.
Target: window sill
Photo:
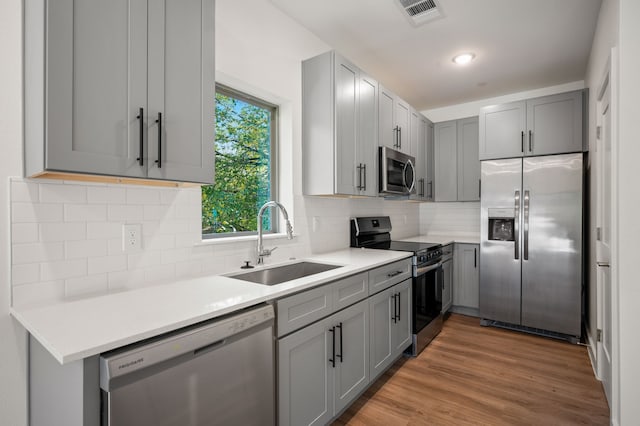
(244, 238)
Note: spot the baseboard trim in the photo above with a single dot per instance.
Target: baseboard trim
(591, 350)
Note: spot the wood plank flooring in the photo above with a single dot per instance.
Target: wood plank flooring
(473, 375)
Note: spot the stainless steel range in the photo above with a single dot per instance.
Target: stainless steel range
(426, 289)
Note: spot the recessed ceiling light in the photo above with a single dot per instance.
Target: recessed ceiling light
(463, 58)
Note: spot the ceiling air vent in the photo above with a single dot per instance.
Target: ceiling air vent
(420, 11)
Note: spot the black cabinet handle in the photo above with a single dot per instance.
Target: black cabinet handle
(475, 257)
(400, 137)
(397, 132)
(332, 360)
(339, 326)
(393, 274)
(522, 141)
(140, 118)
(530, 134)
(430, 189)
(364, 172)
(394, 316)
(479, 188)
(159, 121)
(399, 305)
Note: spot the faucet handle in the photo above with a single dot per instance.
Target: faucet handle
(271, 250)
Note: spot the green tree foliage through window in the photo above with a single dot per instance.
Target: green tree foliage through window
(243, 167)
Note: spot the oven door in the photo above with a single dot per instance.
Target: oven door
(397, 172)
(427, 296)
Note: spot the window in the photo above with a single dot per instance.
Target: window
(245, 166)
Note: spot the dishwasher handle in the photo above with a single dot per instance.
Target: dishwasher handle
(193, 340)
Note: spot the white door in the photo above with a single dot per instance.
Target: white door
(603, 237)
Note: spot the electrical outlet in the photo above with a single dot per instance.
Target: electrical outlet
(131, 237)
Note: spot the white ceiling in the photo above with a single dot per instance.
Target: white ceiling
(519, 44)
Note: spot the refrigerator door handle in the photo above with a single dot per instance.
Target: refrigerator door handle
(516, 225)
(526, 225)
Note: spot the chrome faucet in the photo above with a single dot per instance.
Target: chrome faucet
(261, 252)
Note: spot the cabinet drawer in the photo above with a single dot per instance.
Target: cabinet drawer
(388, 275)
(304, 308)
(350, 290)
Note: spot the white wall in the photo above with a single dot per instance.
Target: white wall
(605, 37)
(13, 366)
(627, 211)
(450, 218)
(469, 109)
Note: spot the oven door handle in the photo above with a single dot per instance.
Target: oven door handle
(429, 268)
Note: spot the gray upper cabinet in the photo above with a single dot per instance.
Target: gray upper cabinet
(422, 150)
(430, 161)
(339, 127)
(539, 126)
(446, 167)
(468, 162)
(393, 121)
(457, 168)
(98, 74)
(554, 124)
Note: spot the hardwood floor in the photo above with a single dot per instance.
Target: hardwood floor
(473, 375)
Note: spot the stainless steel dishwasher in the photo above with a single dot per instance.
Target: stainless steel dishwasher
(217, 373)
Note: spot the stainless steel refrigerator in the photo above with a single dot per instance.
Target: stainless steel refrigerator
(531, 242)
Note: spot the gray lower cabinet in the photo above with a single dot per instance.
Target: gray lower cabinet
(466, 291)
(111, 90)
(340, 127)
(323, 367)
(539, 126)
(390, 330)
(457, 167)
(447, 285)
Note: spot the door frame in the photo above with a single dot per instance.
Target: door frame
(610, 78)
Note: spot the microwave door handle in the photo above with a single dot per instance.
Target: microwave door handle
(404, 176)
(516, 223)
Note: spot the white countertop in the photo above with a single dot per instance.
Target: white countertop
(445, 239)
(78, 329)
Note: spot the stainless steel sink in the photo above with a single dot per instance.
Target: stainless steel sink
(280, 274)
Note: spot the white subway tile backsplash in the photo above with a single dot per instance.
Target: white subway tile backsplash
(125, 213)
(106, 195)
(24, 191)
(69, 231)
(38, 294)
(36, 213)
(85, 212)
(24, 232)
(24, 274)
(143, 196)
(98, 265)
(83, 286)
(62, 269)
(104, 230)
(67, 236)
(38, 252)
(85, 248)
(56, 193)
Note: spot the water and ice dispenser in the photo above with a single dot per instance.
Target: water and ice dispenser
(501, 225)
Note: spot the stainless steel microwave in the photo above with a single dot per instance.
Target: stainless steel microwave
(397, 172)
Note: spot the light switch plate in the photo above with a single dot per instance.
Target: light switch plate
(131, 237)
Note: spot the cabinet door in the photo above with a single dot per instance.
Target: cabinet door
(96, 84)
(380, 323)
(368, 135)
(305, 382)
(554, 124)
(466, 290)
(430, 163)
(352, 353)
(401, 332)
(402, 115)
(182, 89)
(386, 118)
(468, 162)
(421, 159)
(446, 175)
(502, 130)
